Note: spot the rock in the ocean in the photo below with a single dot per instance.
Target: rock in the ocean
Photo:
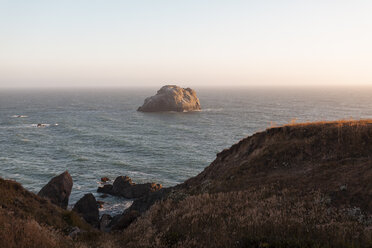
(172, 98)
(123, 186)
(58, 190)
(105, 179)
(87, 207)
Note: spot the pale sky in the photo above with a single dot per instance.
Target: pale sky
(194, 43)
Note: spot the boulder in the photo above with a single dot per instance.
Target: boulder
(123, 186)
(58, 190)
(104, 222)
(172, 98)
(87, 208)
(140, 190)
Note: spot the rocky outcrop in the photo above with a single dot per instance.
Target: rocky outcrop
(172, 98)
(123, 186)
(58, 190)
(87, 208)
(104, 222)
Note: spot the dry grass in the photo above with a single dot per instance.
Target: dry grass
(19, 233)
(28, 233)
(26, 205)
(247, 219)
(349, 122)
(304, 156)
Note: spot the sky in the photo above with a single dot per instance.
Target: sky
(192, 43)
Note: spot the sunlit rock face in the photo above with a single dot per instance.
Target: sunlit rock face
(172, 98)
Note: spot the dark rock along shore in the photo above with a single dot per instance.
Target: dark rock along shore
(58, 190)
(123, 186)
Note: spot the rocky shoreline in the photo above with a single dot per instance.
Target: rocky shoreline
(59, 188)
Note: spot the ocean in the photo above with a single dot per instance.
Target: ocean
(97, 133)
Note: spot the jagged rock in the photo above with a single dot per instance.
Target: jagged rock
(104, 222)
(58, 190)
(87, 207)
(123, 186)
(172, 98)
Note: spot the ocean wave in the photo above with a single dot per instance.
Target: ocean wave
(81, 159)
(119, 163)
(43, 125)
(115, 208)
(213, 110)
(19, 116)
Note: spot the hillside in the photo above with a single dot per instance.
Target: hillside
(314, 156)
(30, 221)
(304, 185)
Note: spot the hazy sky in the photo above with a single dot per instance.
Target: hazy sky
(191, 43)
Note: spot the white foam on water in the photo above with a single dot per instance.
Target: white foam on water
(114, 208)
(212, 110)
(44, 125)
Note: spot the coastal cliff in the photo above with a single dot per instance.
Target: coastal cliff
(304, 185)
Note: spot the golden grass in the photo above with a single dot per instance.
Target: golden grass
(27, 205)
(247, 219)
(343, 122)
(27, 233)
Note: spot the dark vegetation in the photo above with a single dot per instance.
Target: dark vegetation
(26, 220)
(305, 185)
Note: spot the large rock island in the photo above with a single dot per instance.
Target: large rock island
(172, 98)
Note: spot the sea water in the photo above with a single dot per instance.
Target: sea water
(97, 133)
